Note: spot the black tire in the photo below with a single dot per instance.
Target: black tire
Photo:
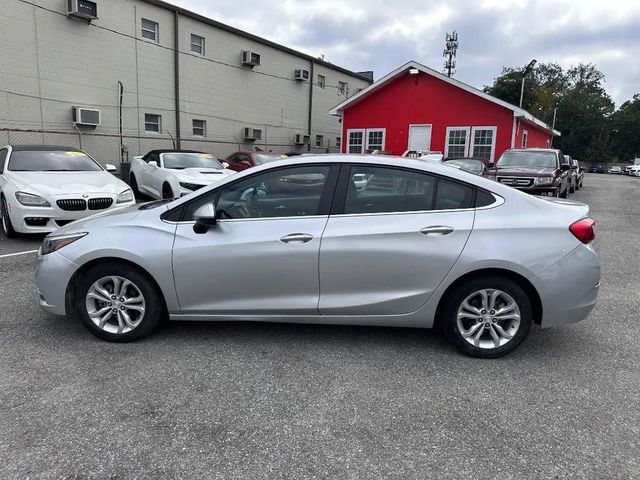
(154, 311)
(455, 298)
(7, 226)
(134, 185)
(572, 188)
(565, 194)
(166, 191)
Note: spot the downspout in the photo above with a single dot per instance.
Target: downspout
(310, 105)
(120, 95)
(176, 70)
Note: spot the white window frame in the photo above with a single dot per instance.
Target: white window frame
(204, 127)
(364, 138)
(322, 81)
(202, 45)
(494, 129)
(466, 144)
(375, 130)
(525, 138)
(319, 141)
(159, 123)
(155, 31)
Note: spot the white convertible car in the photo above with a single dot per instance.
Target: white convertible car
(174, 173)
(44, 187)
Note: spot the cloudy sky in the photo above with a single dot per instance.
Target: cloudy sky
(380, 35)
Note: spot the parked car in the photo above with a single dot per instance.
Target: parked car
(539, 171)
(471, 165)
(615, 170)
(596, 169)
(579, 169)
(634, 171)
(420, 245)
(240, 161)
(46, 187)
(174, 173)
(573, 175)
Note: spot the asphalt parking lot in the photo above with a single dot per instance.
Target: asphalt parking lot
(265, 401)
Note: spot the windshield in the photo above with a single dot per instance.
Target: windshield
(260, 159)
(473, 166)
(527, 159)
(190, 160)
(52, 161)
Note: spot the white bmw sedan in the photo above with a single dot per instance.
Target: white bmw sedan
(43, 188)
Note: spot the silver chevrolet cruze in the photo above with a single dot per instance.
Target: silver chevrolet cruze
(365, 240)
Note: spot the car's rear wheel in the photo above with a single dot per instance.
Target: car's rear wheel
(7, 226)
(487, 317)
(166, 191)
(134, 185)
(118, 303)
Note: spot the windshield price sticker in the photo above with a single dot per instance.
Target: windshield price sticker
(75, 154)
(206, 155)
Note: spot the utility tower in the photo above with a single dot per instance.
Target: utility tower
(450, 49)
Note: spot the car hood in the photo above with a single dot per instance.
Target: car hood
(519, 171)
(58, 183)
(201, 175)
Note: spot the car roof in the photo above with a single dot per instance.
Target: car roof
(171, 150)
(43, 148)
(554, 150)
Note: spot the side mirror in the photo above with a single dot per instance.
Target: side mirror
(564, 167)
(491, 165)
(205, 217)
(110, 167)
(153, 163)
(225, 164)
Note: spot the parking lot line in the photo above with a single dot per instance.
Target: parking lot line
(18, 253)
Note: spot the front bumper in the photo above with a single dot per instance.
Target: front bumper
(569, 289)
(53, 273)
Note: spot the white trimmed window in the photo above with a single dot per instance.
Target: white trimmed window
(355, 141)
(375, 139)
(457, 144)
(483, 143)
(525, 138)
(199, 128)
(319, 140)
(150, 30)
(322, 81)
(197, 44)
(152, 123)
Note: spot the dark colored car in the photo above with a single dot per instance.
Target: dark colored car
(240, 161)
(539, 171)
(471, 165)
(596, 169)
(579, 173)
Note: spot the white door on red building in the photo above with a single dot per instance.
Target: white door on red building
(419, 137)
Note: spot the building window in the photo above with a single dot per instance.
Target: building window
(199, 128)
(152, 123)
(338, 142)
(375, 139)
(484, 142)
(525, 138)
(457, 142)
(197, 44)
(150, 30)
(356, 141)
(322, 81)
(319, 140)
(343, 89)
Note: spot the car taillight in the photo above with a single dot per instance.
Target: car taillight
(584, 230)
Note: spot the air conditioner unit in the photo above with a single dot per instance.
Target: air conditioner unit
(251, 133)
(301, 139)
(302, 74)
(84, 9)
(250, 59)
(86, 116)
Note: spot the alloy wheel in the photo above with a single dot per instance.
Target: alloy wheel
(488, 318)
(115, 304)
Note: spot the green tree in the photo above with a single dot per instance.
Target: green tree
(625, 130)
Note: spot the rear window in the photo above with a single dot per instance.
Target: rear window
(52, 161)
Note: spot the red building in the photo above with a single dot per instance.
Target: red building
(417, 108)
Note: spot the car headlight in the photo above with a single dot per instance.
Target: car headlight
(31, 200)
(190, 186)
(544, 181)
(56, 242)
(126, 196)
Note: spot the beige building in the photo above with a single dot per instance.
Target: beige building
(158, 74)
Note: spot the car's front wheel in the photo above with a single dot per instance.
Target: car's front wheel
(7, 226)
(117, 302)
(487, 317)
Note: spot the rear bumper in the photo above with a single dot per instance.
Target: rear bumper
(569, 289)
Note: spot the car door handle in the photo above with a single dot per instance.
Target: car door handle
(436, 231)
(297, 238)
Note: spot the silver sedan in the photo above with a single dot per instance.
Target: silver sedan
(364, 240)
